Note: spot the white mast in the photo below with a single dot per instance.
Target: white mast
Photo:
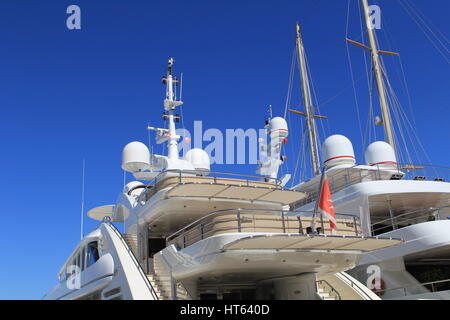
(388, 129)
(169, 105)
(308, 105)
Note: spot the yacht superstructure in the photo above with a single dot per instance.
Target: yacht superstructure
(191, 233)
(392, 199)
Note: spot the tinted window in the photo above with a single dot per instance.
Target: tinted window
(83, 258)
(93, 255)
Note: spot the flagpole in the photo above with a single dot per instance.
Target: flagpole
(316, 207)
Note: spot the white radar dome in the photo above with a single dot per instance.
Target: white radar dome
(338, 150)
(278, 128)
(135, 157)
(199, 159)
(381, 154)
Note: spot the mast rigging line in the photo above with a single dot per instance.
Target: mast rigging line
(419, 13)
(403, 121)
(352, 78)
(307, 100)
(410, 12)
(291, 80)
(391, 43)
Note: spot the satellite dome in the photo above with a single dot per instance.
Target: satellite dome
(135, 157)
(338, 150)
(381, 154)
(278, 128)
(199, 159)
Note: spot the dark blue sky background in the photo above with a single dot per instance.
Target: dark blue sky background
(68, 95)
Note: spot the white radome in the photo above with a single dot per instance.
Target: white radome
(381, 154)
(278, 128)
(199, 159)
(135, 157)
(338, 150)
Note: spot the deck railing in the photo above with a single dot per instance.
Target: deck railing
(174, 177)
(141, 271)
(409, 218)
(432, 286)
(345, 177)
(260, 221)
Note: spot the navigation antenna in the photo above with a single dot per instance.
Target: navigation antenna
(170, 103)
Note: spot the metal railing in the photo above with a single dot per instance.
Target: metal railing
(355, 286)
(432, 287)
(345, 177)
(133, 258)
(259, 220)
(329, 289)
(211, 175)
(410, 218)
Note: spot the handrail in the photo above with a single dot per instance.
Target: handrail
(412, 286)
(275, 181)
(375, 174)
(239, 211)
(173, 283)
(354, 285)
(429, 209)
(133, 258)
(180, 283)
(333, 290)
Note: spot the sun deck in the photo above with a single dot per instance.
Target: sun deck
(214, 186)
(278, 230)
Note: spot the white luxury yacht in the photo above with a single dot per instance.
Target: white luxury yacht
(195, 234)
(409, 202)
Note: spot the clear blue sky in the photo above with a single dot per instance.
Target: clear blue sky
(68, 95)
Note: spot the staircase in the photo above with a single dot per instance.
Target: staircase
(341, 286)
(155, 280)
(131, 240)
(158, 284)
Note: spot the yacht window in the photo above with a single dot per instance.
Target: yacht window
(83, 258)
(77, 260)
(93, 254)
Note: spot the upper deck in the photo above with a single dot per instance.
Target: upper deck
(341, 178)
(220, 185)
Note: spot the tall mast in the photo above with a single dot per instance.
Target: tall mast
(388, 129)
(308, 105)
(169, 105)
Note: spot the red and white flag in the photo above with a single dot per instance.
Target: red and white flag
(326, 204)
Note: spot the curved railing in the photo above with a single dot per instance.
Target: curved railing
(345, 177)
(432, 288)
(212, 176)
(260, 220)
(133, 258)
(356, 286)
(410, 218)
